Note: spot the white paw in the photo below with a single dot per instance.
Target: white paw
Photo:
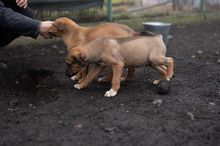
(77, 86)
(100, 79)
(73, 78)
(156, 82)
(110, 93)
(168, 79)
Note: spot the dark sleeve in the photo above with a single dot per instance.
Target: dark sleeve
(18, 23)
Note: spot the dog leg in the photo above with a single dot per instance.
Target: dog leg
(129, 74)
(84, 71)
(170, 65)
(91, 75)
(164, 65)
(107, 78)
(117, 71)
(163, 73)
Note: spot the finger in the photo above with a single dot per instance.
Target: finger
(22, 3)
(19, 2)
(25, 6)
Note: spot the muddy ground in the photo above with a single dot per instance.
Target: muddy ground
(39, 106)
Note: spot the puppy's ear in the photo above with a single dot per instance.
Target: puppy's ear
(62, 27)
(81, 59)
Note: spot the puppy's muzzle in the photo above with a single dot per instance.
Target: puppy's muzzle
(70, 73)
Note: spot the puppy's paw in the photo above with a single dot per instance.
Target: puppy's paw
(99, 79)
(110, 93)
(77, 86)
(73, 78)
(168, 79)
(156, 82)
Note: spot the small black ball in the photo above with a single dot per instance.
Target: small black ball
(164, 87)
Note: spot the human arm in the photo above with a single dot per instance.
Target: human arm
(22, 25)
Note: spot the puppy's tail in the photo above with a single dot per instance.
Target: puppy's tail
(144, 33)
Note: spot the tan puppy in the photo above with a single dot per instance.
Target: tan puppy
(74, 35)
(119, 53)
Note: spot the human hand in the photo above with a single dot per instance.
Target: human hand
(22, 3)
(43, 30)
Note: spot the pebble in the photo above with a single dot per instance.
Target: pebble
(157, 101)
(218, 61)
(3, 66)
(169, 37)
(193, 56)
(101, 109)
(61, 52)
(110, 129)
(217, 53)
(77, 126)
(212, 103)
(200, 52)
(13, 102)
(16, 82)
(207, 63)
(55, 47)
(191, 115)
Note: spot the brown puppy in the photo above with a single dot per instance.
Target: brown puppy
(74, 35)
(119, 53)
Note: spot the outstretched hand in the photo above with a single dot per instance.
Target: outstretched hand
(22, 3)
(43, 30)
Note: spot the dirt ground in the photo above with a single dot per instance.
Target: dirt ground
(39, 105)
